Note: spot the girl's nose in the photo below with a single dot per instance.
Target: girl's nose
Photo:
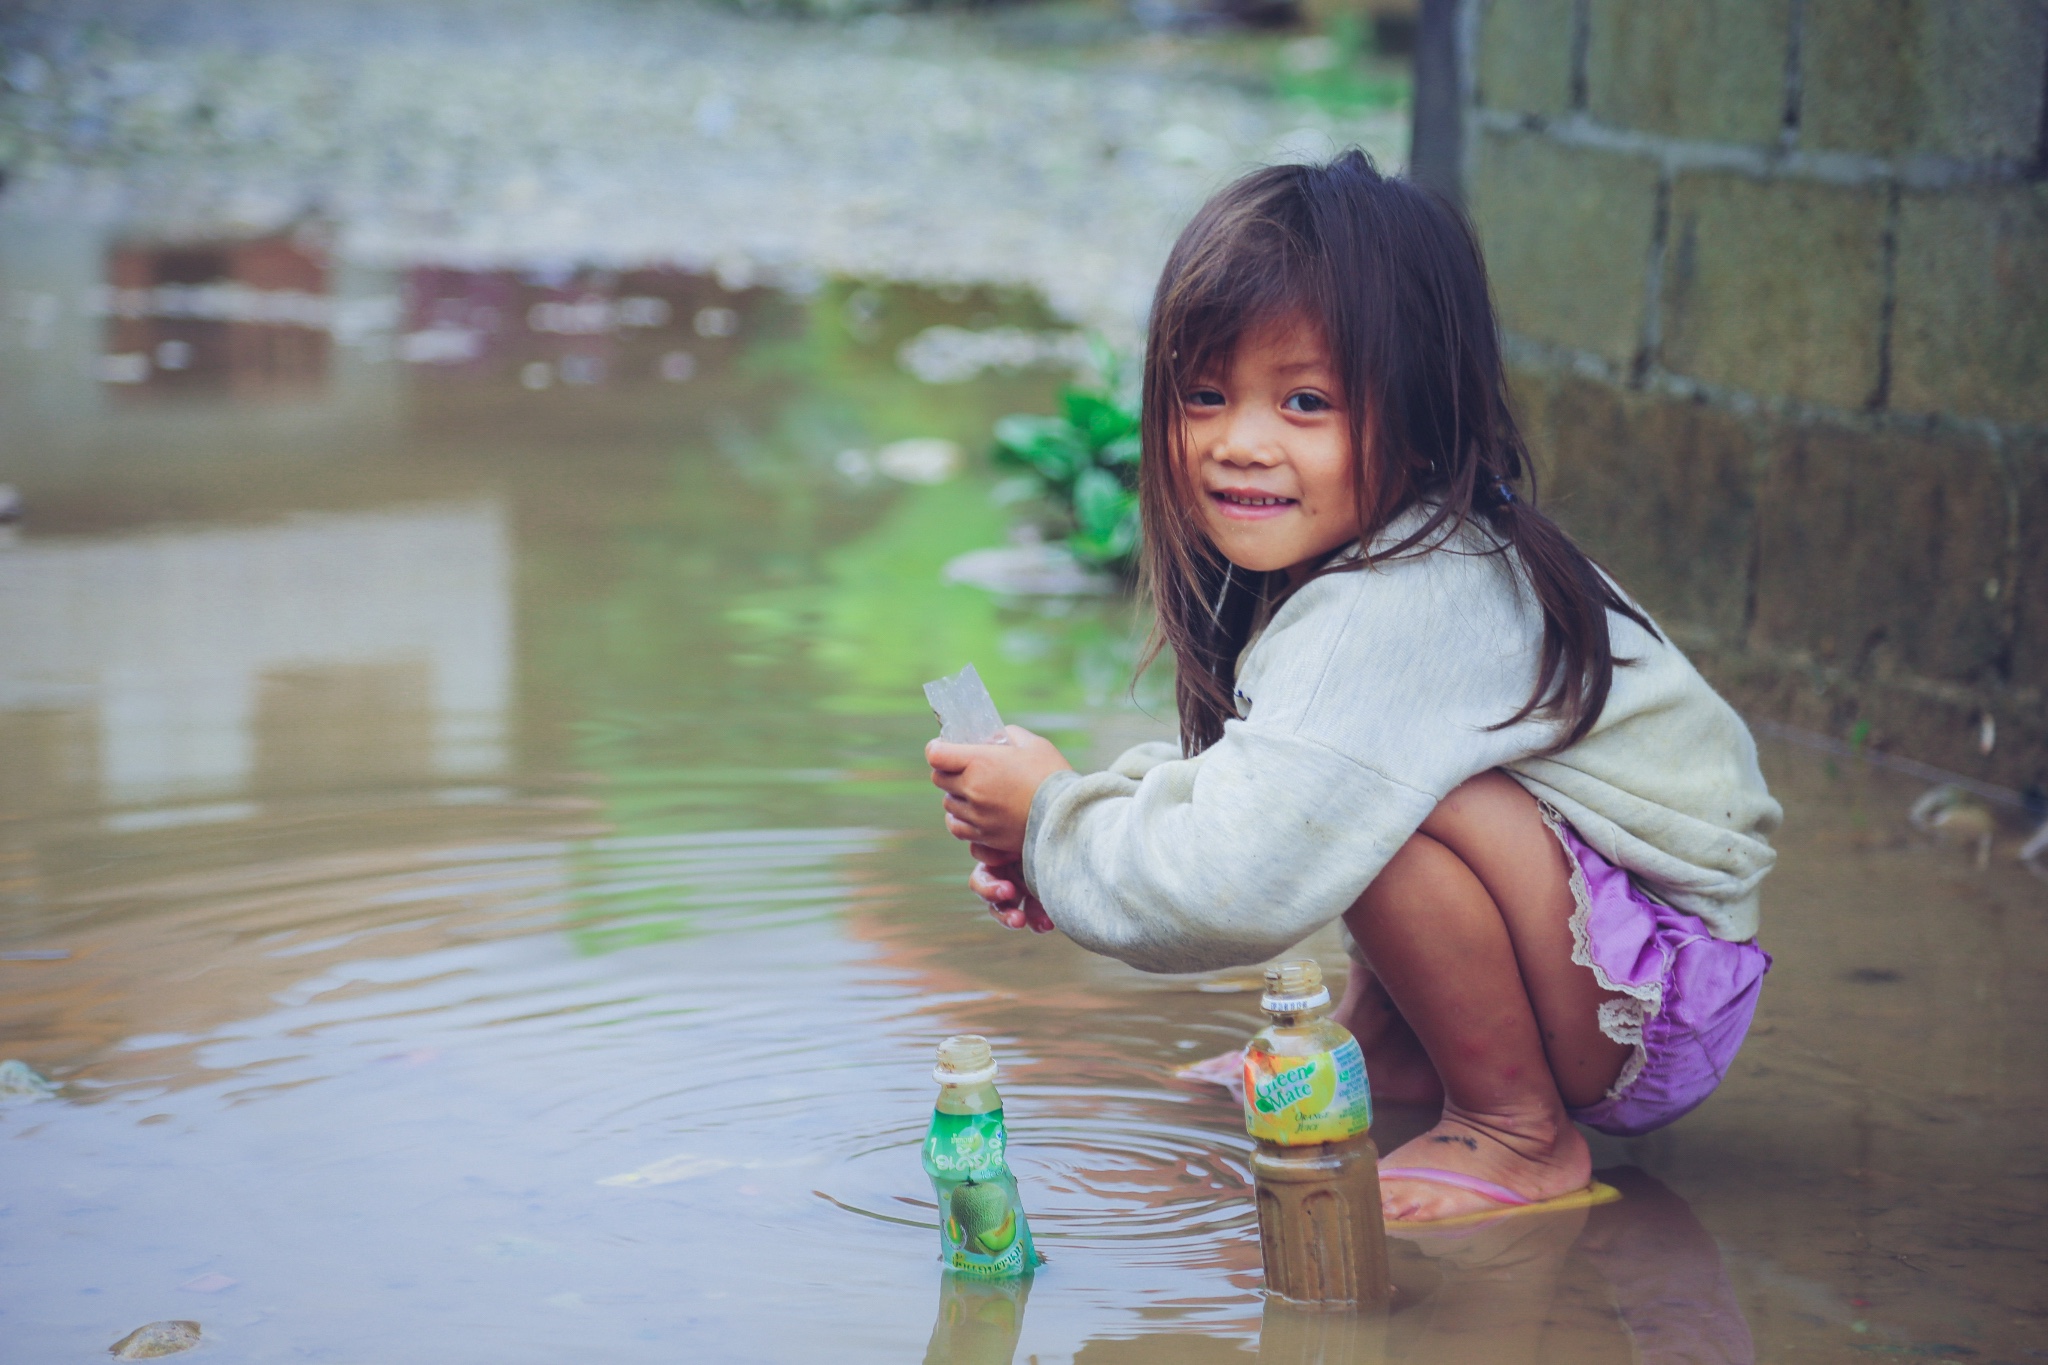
(1243, 440)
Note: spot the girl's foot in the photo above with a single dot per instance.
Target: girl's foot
(1225, 1069)
(1398, 1069)
(1538, 1158)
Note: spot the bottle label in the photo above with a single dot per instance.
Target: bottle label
(1294, 1101)
(982, 1229)
(964, 1146)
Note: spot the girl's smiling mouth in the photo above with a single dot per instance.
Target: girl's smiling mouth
(1249, 504)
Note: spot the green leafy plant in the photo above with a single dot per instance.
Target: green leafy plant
(1084, 464)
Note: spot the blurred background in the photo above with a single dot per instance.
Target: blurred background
(481, 482)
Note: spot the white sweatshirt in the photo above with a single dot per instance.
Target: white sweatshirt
(1364, 701)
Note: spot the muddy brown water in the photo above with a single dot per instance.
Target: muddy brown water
(464, 858)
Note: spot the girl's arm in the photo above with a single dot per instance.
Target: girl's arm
(1007, 777)
(1368, 696)
(1217, 861)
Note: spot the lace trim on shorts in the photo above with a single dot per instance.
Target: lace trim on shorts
(1621, 1020)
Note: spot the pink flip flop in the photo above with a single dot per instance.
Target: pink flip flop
(1225, 1070)
(1511, 1202)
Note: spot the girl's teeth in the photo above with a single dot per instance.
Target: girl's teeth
(1253, 502)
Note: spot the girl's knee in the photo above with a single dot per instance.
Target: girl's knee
(1419, 864)
(1491, 803)
(1419, 854)
(1492, 791)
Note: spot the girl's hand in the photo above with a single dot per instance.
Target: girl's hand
(989, 786)
(1001, 883)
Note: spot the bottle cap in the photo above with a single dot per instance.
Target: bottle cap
(965, 1059)
(1293, 987)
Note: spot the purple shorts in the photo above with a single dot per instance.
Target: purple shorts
(1687, 997)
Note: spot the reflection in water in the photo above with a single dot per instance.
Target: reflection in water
(1294, 1335)
(978, 1322)
(634, 891)
(1670, 1287)
(575, 327)
(1637, 1282)
(619, 1153)
(250, 317)
(568, 992)
(325, 653)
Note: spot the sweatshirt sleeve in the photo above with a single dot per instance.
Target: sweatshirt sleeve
(1140, 759)
(1215, 861)
(1370, 696)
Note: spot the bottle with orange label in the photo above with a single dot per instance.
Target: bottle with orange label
(1308, 1104)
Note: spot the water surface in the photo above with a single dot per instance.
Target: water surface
(464, 857)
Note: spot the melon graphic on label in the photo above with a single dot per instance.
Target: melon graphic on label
(985, 1217)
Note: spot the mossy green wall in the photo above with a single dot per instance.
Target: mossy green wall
(1774, 275)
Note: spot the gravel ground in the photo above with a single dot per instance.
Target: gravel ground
(614, 132)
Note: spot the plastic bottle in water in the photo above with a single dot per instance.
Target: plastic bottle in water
(982, 1229)
(1307, 1102)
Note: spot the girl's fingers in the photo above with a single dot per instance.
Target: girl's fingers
(967, 815)
(1008, 901)
(992, 886)
(949, 758)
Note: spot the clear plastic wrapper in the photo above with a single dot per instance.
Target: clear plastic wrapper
(966, 712)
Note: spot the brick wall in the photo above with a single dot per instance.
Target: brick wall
(1775, 279)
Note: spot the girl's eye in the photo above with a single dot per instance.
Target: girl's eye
(1205, 398)
(1307, 402)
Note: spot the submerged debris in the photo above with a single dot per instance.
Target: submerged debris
(212, 1283)
(156, 1339)
(670, 1169)
(1948, 813)
(19, 1081)
(2033, 848)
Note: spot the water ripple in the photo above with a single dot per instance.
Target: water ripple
(1103, 1170)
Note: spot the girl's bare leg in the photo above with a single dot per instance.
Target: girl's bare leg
(1400, 1070)
(1496, 829)
(1468, 932)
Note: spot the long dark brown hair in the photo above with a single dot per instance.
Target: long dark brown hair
(1392, 274)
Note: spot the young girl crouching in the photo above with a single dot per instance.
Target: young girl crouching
(1407, 699)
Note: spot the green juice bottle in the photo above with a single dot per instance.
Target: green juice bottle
(983, 1233)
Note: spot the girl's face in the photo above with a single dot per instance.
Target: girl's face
(1268, 450)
